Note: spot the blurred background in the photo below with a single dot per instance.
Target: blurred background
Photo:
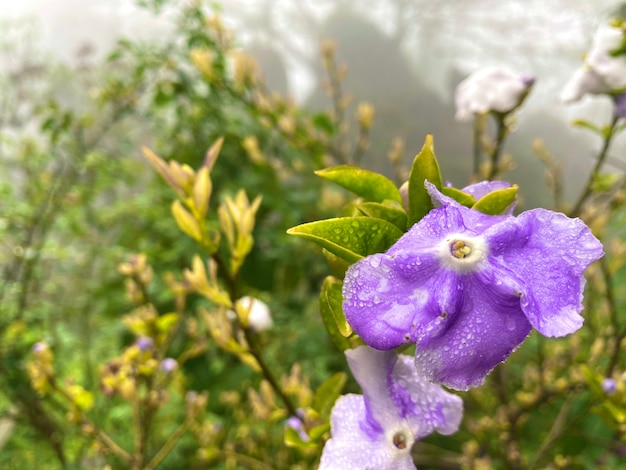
(404, 56)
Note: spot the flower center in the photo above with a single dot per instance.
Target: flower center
(399, 440)
(462, 253)
(460, 249)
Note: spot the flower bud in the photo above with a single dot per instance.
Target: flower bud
(492, 89)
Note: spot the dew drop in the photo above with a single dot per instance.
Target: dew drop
(509, 323)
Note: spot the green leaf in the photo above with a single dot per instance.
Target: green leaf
(366, 184)
(324, 123)
(604, 181)
(587, 125)
(317, 432)
(391, 211)
(459, 196)
(327, 393)
(350, 238)
(337, 265)
(496, 202)
(425, 168)
(332, 313)
(293, 439)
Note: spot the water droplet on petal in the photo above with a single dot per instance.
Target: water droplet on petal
(510, 323)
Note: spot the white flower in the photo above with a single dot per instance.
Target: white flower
(259, 316)
(601, 72)
(490, 89)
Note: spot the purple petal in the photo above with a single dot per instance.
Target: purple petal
(372, 370)
(549, 252)
(425, 405)
(351, 448)
(461, 348)
(620, 105)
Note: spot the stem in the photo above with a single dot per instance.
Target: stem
(596, 169)
(102, 436)
(267, 373)
(614, 314)
(502, 131)
(555, 431)
(478, 132)
(169, 445)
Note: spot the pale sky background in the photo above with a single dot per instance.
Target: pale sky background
(443, 39)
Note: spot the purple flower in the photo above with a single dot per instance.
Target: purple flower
(609, 386)
(295, 423)
(620, 105)
(378, 429)
(467, 288)
(144, 343)
(168, 365)
(39, 347)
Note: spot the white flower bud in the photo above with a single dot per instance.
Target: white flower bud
(601, 72)
(491, 89)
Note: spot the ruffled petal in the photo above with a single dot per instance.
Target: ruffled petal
(461, 348)
(426, 406)
(350, 448)
(550, 252)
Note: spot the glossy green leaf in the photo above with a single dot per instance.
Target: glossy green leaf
(459, 196)
(332, 313)
(391, 211)
(369, 185)
(425, 168)
(496, 202)
(350, 238)
(327, 393)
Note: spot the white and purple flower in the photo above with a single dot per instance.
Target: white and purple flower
(468, 288)
(492, 89)
(602, 72)
(378, 429)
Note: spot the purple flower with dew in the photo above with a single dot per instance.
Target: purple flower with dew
(398, 407)
(608, 386)
(467, 288)
(168, 365)
(144, 343)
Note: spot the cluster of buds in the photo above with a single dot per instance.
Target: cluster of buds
(230, 339)
(204, 59)
(138, 275)
(146, 322)
(222, 36)
(245, 70)
(194, 190)
(41, 368)
(237, 218)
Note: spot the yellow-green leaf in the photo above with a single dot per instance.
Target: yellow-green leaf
(496, 202)
(391, 211)
(459, 196)
(425, 168)
(369, 185)
(327, 393)
(350, 238)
